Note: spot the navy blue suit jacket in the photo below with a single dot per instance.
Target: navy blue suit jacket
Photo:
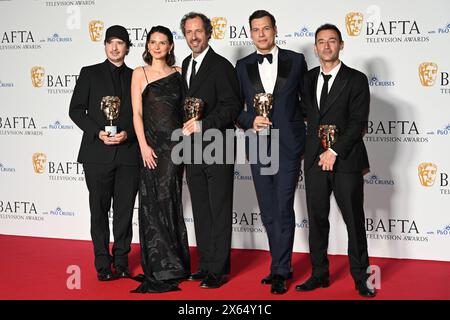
(286, 115)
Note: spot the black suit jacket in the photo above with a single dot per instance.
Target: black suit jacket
(286, 115)
(94, 83)
(216, 84)
(347, 107)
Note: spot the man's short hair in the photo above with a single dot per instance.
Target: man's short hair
(192, 15)
(328, 26)
(261, 14)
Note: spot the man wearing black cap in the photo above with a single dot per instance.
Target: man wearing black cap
(110, 162)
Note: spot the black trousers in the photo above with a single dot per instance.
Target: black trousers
(348, 190)
(118, 183)
(211, 190)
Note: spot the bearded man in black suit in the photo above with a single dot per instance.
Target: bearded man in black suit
(211, 78)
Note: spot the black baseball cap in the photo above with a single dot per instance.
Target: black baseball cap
(118, 32)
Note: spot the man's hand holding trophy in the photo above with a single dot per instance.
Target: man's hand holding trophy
(193, 110)
(110, 105)
(328, 135)
(263, 103)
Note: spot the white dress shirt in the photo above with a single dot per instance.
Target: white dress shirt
(320, 80)
(268, 71)
(320, 83)
(199, 61)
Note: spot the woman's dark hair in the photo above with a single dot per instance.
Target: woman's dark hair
(170, 57)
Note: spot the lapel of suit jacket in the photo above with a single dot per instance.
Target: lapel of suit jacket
(253, 74)
(338, 85)
(313, 92)
(202, 73)
(284, 68)
(107, 77)
(184, 68)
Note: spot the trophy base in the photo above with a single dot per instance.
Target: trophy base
(112, 130)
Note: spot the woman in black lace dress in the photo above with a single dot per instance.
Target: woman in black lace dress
(157, 93)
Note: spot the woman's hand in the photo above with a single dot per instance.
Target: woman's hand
(148, 157)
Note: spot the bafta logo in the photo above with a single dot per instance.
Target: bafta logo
(353, 23)
(37, 76)
(427, 73)
(39, 160)
(219, 25)
(96, 30)
(427, 173)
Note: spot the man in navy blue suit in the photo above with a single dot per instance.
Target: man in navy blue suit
(280, 72)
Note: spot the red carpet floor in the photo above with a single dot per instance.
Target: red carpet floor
(36, 268)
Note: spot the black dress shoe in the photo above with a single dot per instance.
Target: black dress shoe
(213, 281)
(199, 276)
(278, 284)
(268, 279)
(106, 275)
(313, 283)
(122, 272)
(364, 290)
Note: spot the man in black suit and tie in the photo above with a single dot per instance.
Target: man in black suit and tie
(110, 163)
(336, 99)
(279, 72)
(211, 78)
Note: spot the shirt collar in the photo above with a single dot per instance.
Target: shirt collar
(333, 71)
(274, 52)
(200, 57)
(113, 67)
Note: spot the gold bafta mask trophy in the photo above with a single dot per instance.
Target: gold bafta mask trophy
(328, 134)
(193, 108)
(263, 103)
(110, 106)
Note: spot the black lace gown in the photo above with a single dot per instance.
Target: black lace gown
(162, 231)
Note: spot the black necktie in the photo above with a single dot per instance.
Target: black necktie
(191, 78)
(261, 57)
(324, 93)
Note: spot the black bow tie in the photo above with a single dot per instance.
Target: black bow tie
(261, 57)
